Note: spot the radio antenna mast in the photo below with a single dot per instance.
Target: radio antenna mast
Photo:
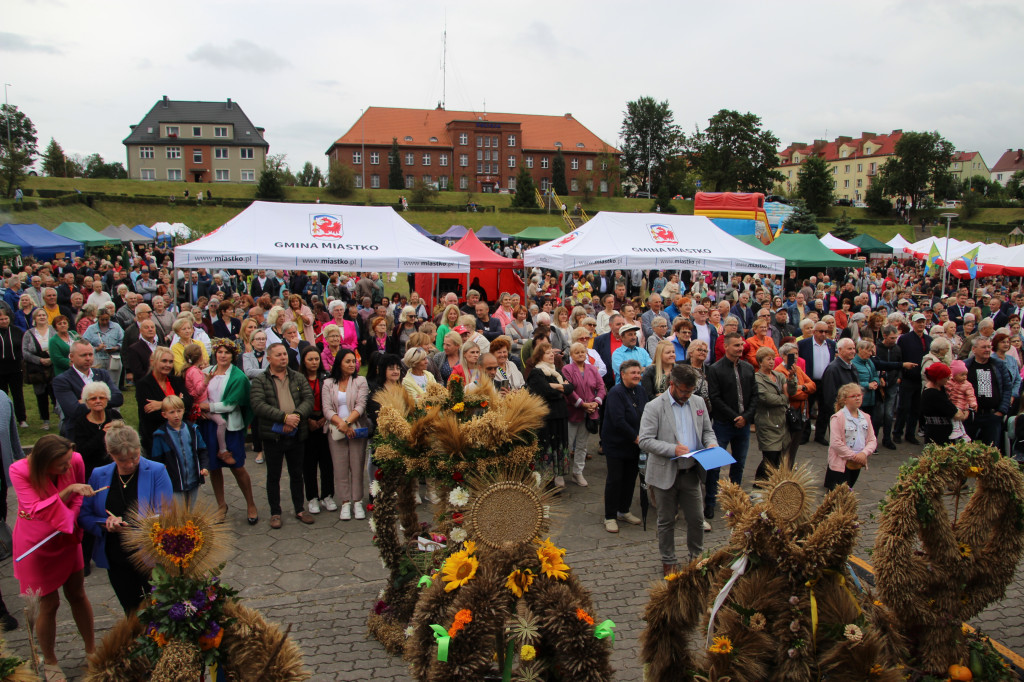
(444, 60)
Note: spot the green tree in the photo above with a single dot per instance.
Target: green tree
(875, 198)
(17, 147)
(610, 170)
(801, 220)
(844, 228)
(1015, 186)
(734, 153)
(526, 191)
(307, 175)
(318, 178)
(814, 185)
(920, 162)
(663, 202)
(395, 177)
(650, 138)
(269, 187)
(558, 174)
(422, 193)
(54, 161)
(96, 167)
(278, 163)
(341, 181)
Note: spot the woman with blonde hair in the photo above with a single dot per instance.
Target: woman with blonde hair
(185, 329)
(851, 438)
(417, 379)
(244, 341)
(299, 313)
(758, 340)
(468, 369)
(449, 321)
(584, 403)
(656, 375)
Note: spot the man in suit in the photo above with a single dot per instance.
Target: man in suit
(608, 343)
(262, 284)
(733, 393)
(998, 311)
(958, 310)
(192, 290)
(136, 357)
(818, 352)
(838, 373)
(675, 424)
(218, 288)
(66, 288)
(914, 345)
(67, 386)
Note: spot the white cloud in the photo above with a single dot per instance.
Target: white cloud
(243, 55)
(14, 42)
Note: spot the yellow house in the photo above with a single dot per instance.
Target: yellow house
(968, 164)
(853, 162)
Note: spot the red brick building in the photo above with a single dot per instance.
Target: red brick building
(475, 152)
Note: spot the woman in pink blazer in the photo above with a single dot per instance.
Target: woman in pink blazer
(299, 313)
(343, 399)
(50, 484)
(587, 395)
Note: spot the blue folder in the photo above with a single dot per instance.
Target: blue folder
(711, 458)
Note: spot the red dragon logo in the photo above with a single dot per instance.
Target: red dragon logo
(662, 234)
(565, 240)
(324, 225)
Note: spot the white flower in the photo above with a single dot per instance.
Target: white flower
(373, 526)
(764, 516)
(408, 631)
(380, 595)
(190, 608)
(547, 511)
(458, 535)
(536, 478)
(458, 497)
(375, 488)
(853, 633)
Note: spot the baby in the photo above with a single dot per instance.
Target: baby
(196, 381)
(961, 394)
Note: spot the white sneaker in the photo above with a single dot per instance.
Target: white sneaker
(23, 425)
(346, 512)
(707, 525)
(559, 482)
(46, 425)
(629, 518)
(357, 511)
(329, 504)
(432, 496)
(579, 480)
(313, 506)
(611, 526)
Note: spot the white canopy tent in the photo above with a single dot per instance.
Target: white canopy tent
(319, 237)
(899, 244)
(837, 245)
(652, 240)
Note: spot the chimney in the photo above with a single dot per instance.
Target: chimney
(569, 116)
(165, 102)
(843, 139)
(867, 136)
(229, 102)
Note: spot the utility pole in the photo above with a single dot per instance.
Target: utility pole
(7, 112)
(648, 164)
(362, 157)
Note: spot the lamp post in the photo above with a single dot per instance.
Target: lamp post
(945, 257)
(362, 156)
(7, 113)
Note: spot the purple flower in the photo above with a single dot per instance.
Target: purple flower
(199, 600)
(177, 612)
(380, 607)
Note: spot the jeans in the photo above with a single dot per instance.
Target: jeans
(618, 486)
(685, 494)
(888, 412)
(909, 409)
(736, 439)
(276, 454)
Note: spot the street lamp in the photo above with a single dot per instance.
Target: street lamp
(945, 258)
(7, 112)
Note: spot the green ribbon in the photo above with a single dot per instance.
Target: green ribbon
(443, 640)
(604, 629)
(425, 581)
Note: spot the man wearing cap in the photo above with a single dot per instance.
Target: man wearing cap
(991, 380)
(629, 350)
(817, 352)
(914, 345)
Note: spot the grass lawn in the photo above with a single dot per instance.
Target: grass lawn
(28, 436)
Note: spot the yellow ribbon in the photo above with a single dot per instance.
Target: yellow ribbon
(814, 602)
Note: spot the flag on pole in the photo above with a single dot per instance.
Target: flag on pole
(971, 261)
(933, 256)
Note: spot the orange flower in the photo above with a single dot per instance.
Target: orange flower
(462, 618)
(584, 616)
(206, 642)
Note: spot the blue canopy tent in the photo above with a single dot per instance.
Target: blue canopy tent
(490, 232)
(151, 234)
(422, 230)
(454, 232)
(36, 240)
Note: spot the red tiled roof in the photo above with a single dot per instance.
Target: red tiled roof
(881, 145)
(1012, 160)
(964, 156)
(378, 125)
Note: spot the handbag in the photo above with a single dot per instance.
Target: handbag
(591, 424)
(794, 419)
(38, 374)
(6, 541)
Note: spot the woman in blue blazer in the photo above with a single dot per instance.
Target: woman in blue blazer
(134, 483)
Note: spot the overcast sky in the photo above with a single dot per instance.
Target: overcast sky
(85, 71)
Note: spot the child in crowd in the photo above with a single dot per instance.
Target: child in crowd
(178, 446)
(195, 381)
(961, 394)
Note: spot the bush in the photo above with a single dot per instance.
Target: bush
(341, 181)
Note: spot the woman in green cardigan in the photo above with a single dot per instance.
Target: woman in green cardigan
(60, 344)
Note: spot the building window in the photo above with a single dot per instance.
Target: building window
(835, 184)
(867, 150)
(846, 184)
(860, 182)
(480, 155)
(197, 156)
(487, 141)
(463, 139)
(847, 168)
(544, 184)
(511, 140)
(359, 182)
(147, 174)
(835, 169)
(494, 141)
(845, 153)
(220, 153)
(580, 145)
(444, 181)
(375, 181)
(575, 163)
(860, 167)
(604, 187)
(245, 153)
(427, 179)
(220, 132)
(463, 182)
(999, 177)
(574, 185)
(443, 160)
(197, 131)
(374, 158)
(512, 183)
(222, 175)
(174, 152)
(174, 174)
(433, 139)
(145, 152)
(248, 176)
(604, 165)
(479, 168)
(529, 162)
(357, 157)
(410, 181)
(408, 138)
(410, 159)
(511, 162)
(172, 131)
(479, 141)
(426, 159)
(543, 162)
(463, 160)
(590, 164)
(590, 185)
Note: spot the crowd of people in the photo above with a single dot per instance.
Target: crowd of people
(655, 365)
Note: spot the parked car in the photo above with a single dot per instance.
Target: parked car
(777, 198)
(859, 204)
(642, 194)
(844, 202)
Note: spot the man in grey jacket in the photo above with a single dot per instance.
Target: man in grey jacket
(675, 424)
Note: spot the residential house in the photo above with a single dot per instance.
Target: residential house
(1009, 163)
(853, 162)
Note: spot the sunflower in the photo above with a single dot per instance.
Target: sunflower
(965, 551)
(552, 565)
(519, 581)
(469, 547)
(458, 570)
(722, 645)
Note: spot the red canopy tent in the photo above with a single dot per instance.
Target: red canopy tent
(492, 273)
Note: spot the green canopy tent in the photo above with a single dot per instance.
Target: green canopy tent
(802, 251)
(870, 246)
(8, 250)
(539, 234)
(81, 232)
